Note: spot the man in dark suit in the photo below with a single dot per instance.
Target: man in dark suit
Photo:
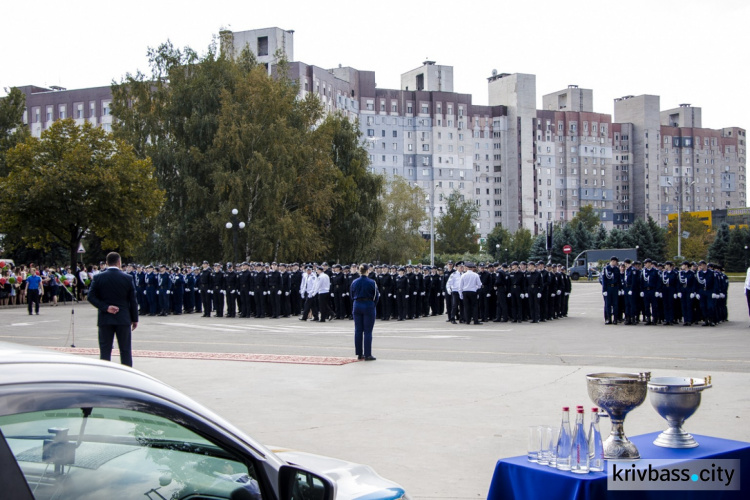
(113, 293)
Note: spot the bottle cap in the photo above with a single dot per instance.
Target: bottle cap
(566, 408)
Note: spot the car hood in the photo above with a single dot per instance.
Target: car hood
(353, 481)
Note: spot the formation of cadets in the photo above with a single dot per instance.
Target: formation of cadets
(468, 293)
(655, 293)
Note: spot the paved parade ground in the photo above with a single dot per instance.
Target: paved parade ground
(442, 402)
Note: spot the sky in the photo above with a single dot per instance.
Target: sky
(686, 51)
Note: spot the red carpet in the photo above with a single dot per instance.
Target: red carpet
(220, 356)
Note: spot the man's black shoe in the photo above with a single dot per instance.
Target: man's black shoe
(370, 358)
(360, 357)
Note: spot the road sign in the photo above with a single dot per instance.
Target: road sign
(567, 249)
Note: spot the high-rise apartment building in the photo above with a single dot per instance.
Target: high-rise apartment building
(522, 165)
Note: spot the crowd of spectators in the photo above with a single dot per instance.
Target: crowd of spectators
(59, 284)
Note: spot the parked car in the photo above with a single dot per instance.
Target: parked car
(78, 428)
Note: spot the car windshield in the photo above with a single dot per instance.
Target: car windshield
(88, 453)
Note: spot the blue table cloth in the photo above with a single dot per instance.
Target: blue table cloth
(517, 478)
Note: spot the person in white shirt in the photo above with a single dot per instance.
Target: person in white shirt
(453, 287)
(468, 286)
(322, 293)
(747, 289)
(307, 294)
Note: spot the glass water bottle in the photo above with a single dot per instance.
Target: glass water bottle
(564, 441)
(579, 453)
(596, 447)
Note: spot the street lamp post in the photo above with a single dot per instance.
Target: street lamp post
(679, 212)
(235, 226)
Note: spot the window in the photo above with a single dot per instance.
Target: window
(106, 110)
(133, 449)
(262, 46)
(49, 114)
(79, 110)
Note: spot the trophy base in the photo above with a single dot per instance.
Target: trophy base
(675, 438)
(620, 449)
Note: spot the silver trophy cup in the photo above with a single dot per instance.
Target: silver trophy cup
(676, 399)
(617, 394)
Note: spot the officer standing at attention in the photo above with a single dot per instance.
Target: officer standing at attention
(364, 293)
(453, 287)
(611, 282)
(165, 287)
(338, 287)
(152, 283)
(516, 281)
(218, 289)
(274, 290)
(204, 284)
(401, 289)
(230, 282)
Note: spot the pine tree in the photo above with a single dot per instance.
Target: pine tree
(717, 252)
(600, 237)
(736, 253)
(659, 236)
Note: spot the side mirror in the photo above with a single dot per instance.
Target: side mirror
(300, 484)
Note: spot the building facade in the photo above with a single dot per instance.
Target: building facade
(522, 165)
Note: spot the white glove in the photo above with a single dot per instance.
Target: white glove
(604, 293)
(630, 292)
(674, 295)
(461, 296)
(526, 295)
(559, 292)
(145, 293)
(721, 295)
(278, 293)
(252, 294)
(538, 295)
(552, 295)
(389, 295)
(621, 292)
(157, 292)
(658, 294)
(422, 294)
(406, 296)
(488, 295)
(224, 292)
(211, 292)
(714, 296)
(692, 295)
(642, 294)
(286, 293)
(567, 293)
(415, 293)
(508, 295)
(232, 291)
(679, 295)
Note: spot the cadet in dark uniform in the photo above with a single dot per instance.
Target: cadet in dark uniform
(274, 290)
(611, 283)
(259, 291)
(517, 283)
(189, 299)
(296, 281)
(152, 283)
(178, 290)
(164, 288)
(218, 290)
(204, 284)
(230, 289)
(338, 289)
(141, 291)
(364, 293)
(502, 293)
(402, 293)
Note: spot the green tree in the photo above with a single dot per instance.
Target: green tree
(456, 231)
(584, 236)
(539, 248)
(641, 236)
(498, 241)
(520, 247)
(659, 235)
(588, 217)
(695, 246)
(717, 251)
(568, 237)
(399, 239)
(357, 212)
(74, 180)
(617, 238)
(736, 254)
(600, 237)
(12, 129)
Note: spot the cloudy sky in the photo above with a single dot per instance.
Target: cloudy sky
(686, 51)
